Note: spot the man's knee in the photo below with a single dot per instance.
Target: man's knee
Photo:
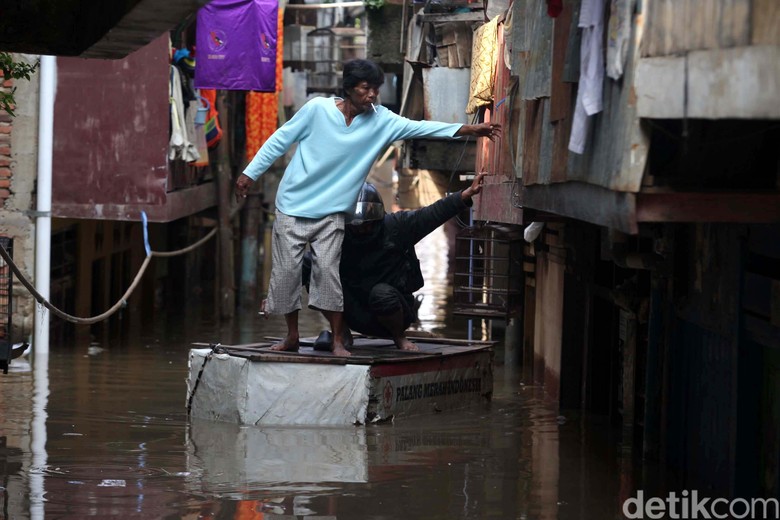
(384, 299)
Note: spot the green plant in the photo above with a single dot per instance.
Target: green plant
(374, 4)
(13, 70)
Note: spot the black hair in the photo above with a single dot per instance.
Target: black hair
(356, 71)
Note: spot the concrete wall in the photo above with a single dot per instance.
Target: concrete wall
(19, 138)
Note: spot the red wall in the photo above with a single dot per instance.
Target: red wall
(111, 133)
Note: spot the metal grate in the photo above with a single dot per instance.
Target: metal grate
(6, 282)
(488, 272)
(327, 48)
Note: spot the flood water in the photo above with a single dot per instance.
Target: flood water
(101, 431)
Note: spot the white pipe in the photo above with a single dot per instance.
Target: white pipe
(39, 437)
(43, 221)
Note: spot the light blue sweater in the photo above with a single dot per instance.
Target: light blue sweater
(332, 159)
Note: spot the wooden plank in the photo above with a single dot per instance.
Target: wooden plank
(571, 68)
(766, 22)
(704, 16)
(679, 34)
(660, 87)
(560, 149)
(734, 27)
(546, 149)
(650, 39)
(474, 16)
(445, 41)
(583, 201)
(743, 82)
(677, 26)
(271, 358)
(667, 28)
(708, 207)
(532, 141)
(500, 202)
(560, 90)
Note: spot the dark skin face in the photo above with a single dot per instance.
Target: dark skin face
(359, 98)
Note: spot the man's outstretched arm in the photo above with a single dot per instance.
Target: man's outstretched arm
(489, 130)
(419, 223)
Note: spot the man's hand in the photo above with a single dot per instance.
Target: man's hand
(475, 188)
(242, 186)
(489, 130)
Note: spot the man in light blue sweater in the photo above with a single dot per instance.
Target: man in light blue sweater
(338, 139)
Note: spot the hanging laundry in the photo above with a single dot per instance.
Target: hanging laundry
(508, 39)
(618, 36)
(200, 136)
(237, 43)
(554, 8)
(212, 127)
(180, 146)
(484, 55)
(262, 112)
(591, 84)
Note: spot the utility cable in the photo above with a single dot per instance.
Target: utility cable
(119, 304)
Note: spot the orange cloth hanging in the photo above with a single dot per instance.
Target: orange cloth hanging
(262, 108)
(212, 128)
(249, 510)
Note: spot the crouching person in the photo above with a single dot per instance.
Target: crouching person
(379, 268)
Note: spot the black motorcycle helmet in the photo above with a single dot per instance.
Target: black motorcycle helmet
(369, 206)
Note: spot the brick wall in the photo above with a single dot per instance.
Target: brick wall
(5, 150)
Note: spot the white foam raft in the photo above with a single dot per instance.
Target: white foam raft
(250, 384)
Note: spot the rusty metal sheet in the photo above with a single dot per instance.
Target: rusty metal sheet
(534, 112)
(616, 150)
(521, 38)
(571, 67)
(505, 93)
(111, 126)
(560, 90)
(560, 150)
(546, 149)
(676, 26)
(499, 202)
(450, 108)
(539, 74)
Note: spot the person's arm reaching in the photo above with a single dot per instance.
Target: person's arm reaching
(489, 130)
(276, 145)
(417, 224)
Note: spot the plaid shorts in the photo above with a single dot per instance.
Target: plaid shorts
(290, 237)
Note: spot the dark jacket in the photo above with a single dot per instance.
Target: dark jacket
(387, 254)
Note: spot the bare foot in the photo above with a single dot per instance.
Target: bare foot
(405, 344)
(287, 345)
(339, 350)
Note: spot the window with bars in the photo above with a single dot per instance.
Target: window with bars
(6, 309)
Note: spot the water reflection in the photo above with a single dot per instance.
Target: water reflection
(119, 444)
(107, 436)
(222, 455)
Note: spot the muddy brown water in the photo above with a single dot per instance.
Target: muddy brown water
(101, 431)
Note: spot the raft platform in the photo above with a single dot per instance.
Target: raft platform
(250, 384)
